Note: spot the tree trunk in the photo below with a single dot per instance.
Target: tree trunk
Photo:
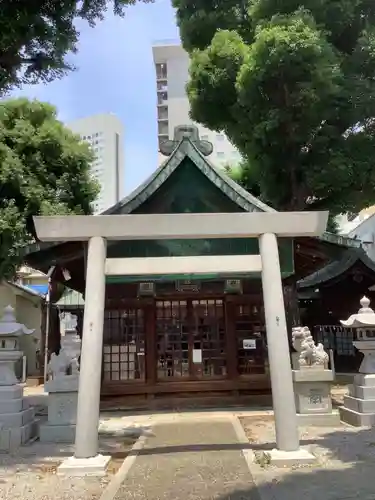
(292, 312)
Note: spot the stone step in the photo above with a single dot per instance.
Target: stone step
(16, 420)
(319, 419)
(13, 438)
(364, 380)
(362, 392)
(356, 418)
(10, 392)
(11, 406)
(360, 405)
(57, 433)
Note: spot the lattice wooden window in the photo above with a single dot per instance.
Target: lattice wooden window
(172, 339)
(249, 325)
(209, 336)
(124, 344)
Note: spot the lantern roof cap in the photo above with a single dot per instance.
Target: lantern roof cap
(10, 326)
(365, 317)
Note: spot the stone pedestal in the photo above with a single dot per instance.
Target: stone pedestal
(17, 420)
(312, 390)
(62, 410)
(359, 405)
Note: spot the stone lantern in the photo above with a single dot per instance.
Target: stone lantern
(364, 322)
(359, 405)
(10, 333)
(17, 420)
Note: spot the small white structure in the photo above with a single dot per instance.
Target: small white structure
(359, 405)
(312, 381)
(62, 388)
(17, 420)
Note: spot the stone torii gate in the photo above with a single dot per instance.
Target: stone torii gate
(98, 229)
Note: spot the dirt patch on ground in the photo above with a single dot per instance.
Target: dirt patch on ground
(344, 468)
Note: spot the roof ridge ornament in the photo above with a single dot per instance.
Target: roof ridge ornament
(190, 132)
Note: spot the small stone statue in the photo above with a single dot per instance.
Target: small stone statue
(61, 365)
(310, 355)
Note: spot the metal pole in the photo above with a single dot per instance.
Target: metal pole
(332, 360)
(46, 339)
(24, 369)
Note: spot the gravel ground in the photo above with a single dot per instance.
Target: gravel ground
(344, 469)
(30, 474)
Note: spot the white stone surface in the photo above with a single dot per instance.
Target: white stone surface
(319, 419)
(278, 346)
(95, 466)
(62, 413)
(57, 433)
(313, 375)
(62, 410)
(17, 420)
(280, 458)
(62, 407)
(86, 442)
(312, 389)
(179, 226)
(62, 391)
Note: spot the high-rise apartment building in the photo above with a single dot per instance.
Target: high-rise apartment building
(105, 133)
(172, 74)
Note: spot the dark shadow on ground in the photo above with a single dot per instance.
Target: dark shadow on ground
(109, 411)
(350, 476)
(163, 450)
(37, 455)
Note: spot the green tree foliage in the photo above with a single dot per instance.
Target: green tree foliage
(44, 170)
(36, 36)
(243, 174)
(292, 85)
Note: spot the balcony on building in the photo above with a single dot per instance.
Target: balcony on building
(162, 113)
(162, 98)
(163, 128)
(161, 71)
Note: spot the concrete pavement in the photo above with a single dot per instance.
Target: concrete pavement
(200, 460)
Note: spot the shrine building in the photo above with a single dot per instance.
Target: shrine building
(184, 336)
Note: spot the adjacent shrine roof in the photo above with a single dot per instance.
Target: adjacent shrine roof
(349, 259)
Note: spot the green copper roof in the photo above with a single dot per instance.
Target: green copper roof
(70, 299)
(186, 148)
(337, 267)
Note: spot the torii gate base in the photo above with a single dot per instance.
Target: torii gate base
(96, 230)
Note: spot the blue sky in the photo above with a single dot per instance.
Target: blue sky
(115, 73)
